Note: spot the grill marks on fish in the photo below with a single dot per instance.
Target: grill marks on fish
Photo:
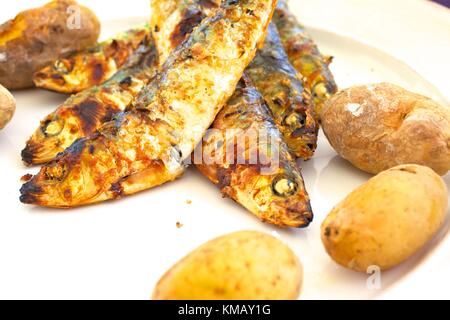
(89, 113)
(98, 72)
(191, 18)
(290, 103)
(305, 56)
(82, 114)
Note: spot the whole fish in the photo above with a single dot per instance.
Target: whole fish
(82, 114)
(277, 196)
(243, 142)
(290, 103)
(305, 56)
(93, 66)
(146, 147)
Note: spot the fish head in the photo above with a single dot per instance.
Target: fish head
(72, 178)
(278, 197)
(54, 135)
(283, 199)
(53, 77)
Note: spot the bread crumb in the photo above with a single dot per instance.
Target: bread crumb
(179, 225)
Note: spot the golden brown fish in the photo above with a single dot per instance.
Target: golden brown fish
(84, 113)
(146, 147)
(262, 176)
(246, 156)
(305, 56)
(93, 66)
(291, 105)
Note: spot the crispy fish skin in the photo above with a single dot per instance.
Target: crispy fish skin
(278, 196)
(291, 105)
(82, 114)
(244, 115)
(173, 20)
(305, 56)
(146, 147)
(90, 67)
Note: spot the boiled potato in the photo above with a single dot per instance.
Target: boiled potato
(380, 126)
(39, 36)
(387, 220)
(244, 265)
(7, 107)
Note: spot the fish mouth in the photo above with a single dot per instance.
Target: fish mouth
(37, 153)
(294, 216)
(29, 193)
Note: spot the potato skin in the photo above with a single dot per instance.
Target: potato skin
(244, 265)
(380, 126)
(39, 36)
(7, 107)
(387, 220)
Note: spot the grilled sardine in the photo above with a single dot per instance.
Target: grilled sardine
(281, 87)
(246, 156)
(82, 114)
(91, 67)
(146, 147)
(305, 56)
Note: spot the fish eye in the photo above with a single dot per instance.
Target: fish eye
(62, 66)
(52, 127)
(284, 186)
(294, 119)
(321, 91)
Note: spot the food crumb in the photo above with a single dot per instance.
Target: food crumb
(179, 225)
(26, 178)
(188, 201)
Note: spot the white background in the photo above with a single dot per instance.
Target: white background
(120, 249)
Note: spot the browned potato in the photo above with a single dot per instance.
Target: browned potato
(7, 107)
(380, 126)
(39, 36)
(386, 220)
(246, 265)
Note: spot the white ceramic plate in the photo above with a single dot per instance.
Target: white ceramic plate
(119, 250)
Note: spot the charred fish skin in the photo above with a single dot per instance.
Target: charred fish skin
(277, 196)
(173, 20)
(91, 67)
(290, 103)
(146, 147)
(305, 56)
(82, 114)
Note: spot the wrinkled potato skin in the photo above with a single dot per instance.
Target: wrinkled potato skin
(39, 36)
(392, 127)
(387, 220)
(7, 107)
(243, 265)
